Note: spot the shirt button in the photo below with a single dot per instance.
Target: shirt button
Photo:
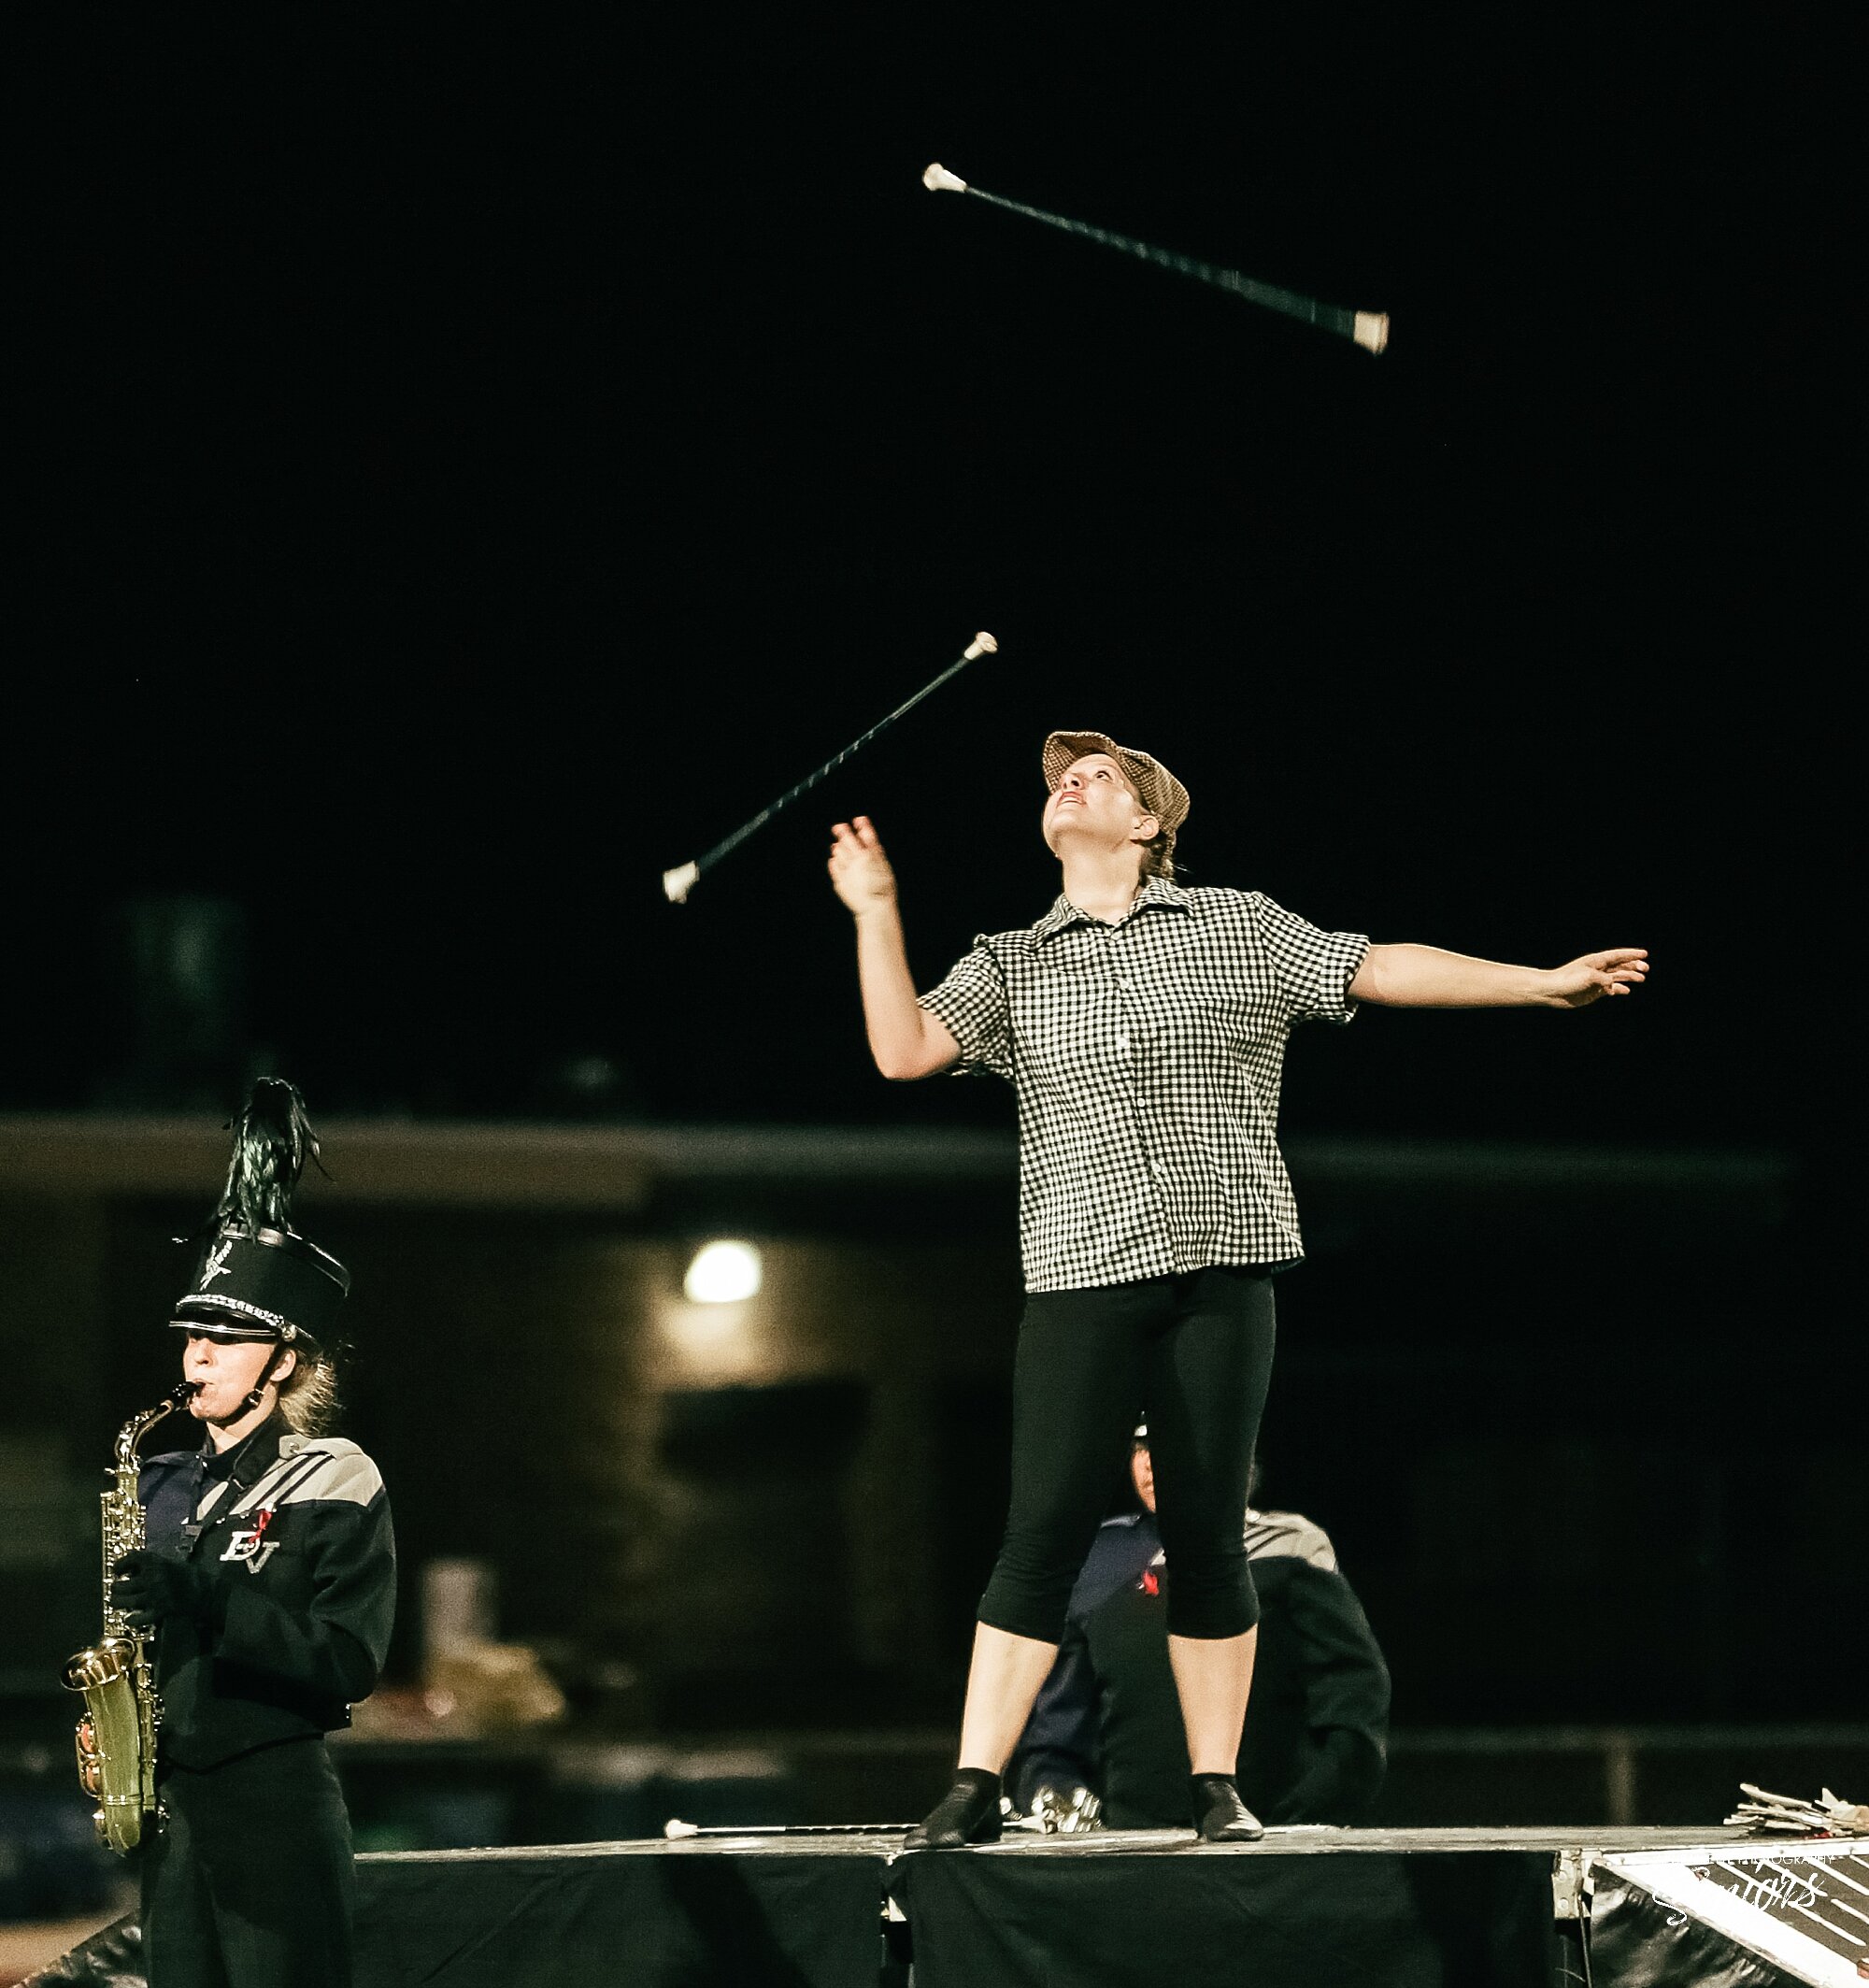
(1122, 1041)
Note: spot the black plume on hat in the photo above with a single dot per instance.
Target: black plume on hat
(272, 1141)
(258, 1279)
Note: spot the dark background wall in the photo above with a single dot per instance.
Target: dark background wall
(471, 470)
(470, 474)
(782, 1515)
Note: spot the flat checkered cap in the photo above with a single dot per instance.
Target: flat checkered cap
(1158, 790)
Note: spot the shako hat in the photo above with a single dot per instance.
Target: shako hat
(1158, 790)
(257, 1278)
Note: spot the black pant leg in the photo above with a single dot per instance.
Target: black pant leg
(181, 1948)
(1077, 1391)
(1209, 1373)
(269, 1839)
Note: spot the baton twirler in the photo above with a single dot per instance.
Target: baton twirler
(1366, 328)
(677, 882)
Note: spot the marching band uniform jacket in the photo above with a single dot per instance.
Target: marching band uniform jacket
(296, 1537)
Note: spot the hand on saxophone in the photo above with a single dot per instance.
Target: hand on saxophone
(150, 1588)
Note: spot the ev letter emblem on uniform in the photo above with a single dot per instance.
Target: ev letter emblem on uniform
(217, 1265)
(246, 1546)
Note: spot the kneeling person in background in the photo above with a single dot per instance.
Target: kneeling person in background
(1107, 1718)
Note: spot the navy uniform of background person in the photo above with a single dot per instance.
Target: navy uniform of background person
(1108, 1720)
(269, 1575)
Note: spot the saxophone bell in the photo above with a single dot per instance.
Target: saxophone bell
(103, 1661)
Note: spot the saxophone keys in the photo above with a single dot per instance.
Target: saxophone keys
(90, 1769)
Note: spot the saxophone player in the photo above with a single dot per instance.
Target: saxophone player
(268, 1575)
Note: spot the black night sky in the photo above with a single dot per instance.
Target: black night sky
(473, 464)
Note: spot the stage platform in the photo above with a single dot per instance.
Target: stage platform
(1305, 1909)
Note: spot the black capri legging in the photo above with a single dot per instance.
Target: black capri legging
(1195, 1353)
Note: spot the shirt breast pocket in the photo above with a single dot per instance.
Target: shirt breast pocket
(1064, 1021)
(1202, 996)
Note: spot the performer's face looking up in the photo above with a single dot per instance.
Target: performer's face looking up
(227, 1371)
(1094, 799)
(1143, 1471)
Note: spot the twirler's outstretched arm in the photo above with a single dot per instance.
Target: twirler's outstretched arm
(1411, 976)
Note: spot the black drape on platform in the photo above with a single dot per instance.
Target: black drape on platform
(1365, 1909)
(1636, 1942)
(1479, 1918)
(673, 1917)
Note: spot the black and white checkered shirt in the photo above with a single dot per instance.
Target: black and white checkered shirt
(1146, 1055)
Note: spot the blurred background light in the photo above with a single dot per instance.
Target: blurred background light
(723, 1273)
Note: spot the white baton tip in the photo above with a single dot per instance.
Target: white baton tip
(1372, 330)
(938, 180)
(981, 645)
(676, 884)
(675, 1830)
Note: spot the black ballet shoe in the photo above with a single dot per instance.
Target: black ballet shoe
(1219, 1815)
(967, 1813)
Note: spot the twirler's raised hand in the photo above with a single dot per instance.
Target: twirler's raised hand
(859, 871)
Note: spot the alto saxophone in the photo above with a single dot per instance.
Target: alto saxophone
(116, 1735)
